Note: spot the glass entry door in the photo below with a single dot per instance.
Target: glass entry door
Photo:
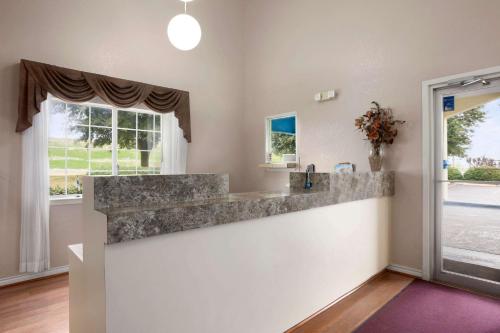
(467, 184)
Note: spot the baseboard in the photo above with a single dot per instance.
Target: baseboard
(405, 270)
(64, 269)
(31, 276)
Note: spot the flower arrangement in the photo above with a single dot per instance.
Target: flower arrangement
(379, 126)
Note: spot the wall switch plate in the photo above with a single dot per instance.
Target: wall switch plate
(324, 96)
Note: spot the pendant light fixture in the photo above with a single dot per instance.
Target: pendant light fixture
(184, 31)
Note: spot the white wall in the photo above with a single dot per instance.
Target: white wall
(263, 275)
(66, 225)
(366, 50)
(125, 39)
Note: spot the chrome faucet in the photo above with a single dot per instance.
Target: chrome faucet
(311, 168)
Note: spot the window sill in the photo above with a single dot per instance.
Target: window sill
(66, 201)
(279, 166)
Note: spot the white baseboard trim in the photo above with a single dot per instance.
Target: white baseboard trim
(405, 270)
(30, 276)
(64, 269)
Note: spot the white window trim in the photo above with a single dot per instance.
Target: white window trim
(70, 199)
(268, 147)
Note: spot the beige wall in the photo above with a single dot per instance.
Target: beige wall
(125, 39)
(367, 50)
(66, 227)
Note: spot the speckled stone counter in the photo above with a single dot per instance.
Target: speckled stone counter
(143, 206)
(139, 191)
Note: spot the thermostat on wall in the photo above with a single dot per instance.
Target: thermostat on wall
(324, 96)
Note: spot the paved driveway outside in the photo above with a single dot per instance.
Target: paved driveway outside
(474, 193)
(472, 233)
(472, 228)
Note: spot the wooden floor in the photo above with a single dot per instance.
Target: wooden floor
(352, 311)
(42, 306)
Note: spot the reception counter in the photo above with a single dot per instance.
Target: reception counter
(178, 253)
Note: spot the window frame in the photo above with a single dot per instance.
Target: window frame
(268, 143)
(65, 199)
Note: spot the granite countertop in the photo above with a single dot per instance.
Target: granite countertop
(229, 198)
(203, 200)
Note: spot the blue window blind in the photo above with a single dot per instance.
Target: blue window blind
(283, 125)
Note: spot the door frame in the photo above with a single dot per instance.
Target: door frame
(429, 159)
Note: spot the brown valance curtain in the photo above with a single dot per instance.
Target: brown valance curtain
(37, 79)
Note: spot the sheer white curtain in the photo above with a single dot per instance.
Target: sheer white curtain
(34, 243)
(175, 146)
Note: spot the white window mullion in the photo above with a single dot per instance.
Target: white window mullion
(89, 155)
(136, 141)
(114, 141)
(66, 155)
(65, 170)
(162, 140)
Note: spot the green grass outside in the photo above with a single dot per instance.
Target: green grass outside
(69, 160)
(79, 159)
(99, 159)
(100, 164)
(73, 162)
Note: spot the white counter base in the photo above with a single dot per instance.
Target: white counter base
(262, 275)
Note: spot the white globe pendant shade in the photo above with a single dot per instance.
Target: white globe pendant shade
(184, 32)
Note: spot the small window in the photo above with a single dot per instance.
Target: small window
(281, 138)
(99, 140)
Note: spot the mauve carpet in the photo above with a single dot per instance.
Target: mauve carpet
(432, 308)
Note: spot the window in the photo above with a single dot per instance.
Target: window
(281, 138)
(95, 139)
